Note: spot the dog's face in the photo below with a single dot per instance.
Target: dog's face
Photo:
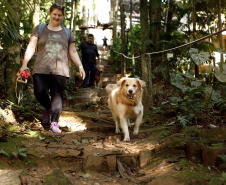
(100, 67)
(131, 86)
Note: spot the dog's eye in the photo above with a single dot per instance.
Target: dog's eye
(127, 85)
(134, 85)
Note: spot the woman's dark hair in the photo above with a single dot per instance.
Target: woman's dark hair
(57, 6)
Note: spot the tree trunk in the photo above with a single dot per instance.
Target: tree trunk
(194, 30)
(147, 77)
(123, 38)
(131, 35)
(115, 20)
(35, 19)
(144, 24)
(12, 64)
(95, 14)
(220, 34)
(156, 33)
(72, 14)
(84, 18)
(145, 59)
(75, 14)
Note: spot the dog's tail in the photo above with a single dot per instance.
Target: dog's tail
(110, 87)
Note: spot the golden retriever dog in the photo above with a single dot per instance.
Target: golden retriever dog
(98, 76)
(125, 104)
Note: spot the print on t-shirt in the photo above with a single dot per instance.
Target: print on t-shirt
(53, 48)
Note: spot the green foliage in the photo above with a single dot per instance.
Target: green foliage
(20, 153)
(199, 58)
(10, 20)
(69, 91)
(197, 98)
(223, 179)
(221, 76)
(4, 153)
(223, 157)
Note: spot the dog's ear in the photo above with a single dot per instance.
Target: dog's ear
(121, 81)
(141, 83)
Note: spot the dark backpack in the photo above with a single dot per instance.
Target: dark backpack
(41, 27)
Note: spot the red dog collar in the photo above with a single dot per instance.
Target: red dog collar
(125, 103)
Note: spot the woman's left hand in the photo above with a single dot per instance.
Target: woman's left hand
(82, 73)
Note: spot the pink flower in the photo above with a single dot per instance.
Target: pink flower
(25, 74)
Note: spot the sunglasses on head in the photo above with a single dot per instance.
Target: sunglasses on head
(57, 5)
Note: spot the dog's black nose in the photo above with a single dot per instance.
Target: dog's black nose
(130, 91)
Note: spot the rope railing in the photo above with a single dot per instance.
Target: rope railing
(181, 46)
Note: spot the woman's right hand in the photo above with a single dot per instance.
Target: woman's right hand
(23, 67)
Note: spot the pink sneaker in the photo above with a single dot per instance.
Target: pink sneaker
(54, 127)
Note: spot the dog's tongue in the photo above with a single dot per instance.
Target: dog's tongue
(132, 95)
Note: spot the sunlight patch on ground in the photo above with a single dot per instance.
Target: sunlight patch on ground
(125, 147)
(73, 124)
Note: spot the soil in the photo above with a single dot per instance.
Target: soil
(89, 152)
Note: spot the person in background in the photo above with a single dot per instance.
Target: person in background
(89, 54)
(105, 46)
(51, 68)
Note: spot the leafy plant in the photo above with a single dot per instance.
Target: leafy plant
(223, 157)
(197, 98)
(220, 75)
(199, 57)
(3, 152)
(21, 152)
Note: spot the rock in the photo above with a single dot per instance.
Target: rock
(9, 177)
(8, 115)
(193, 151)
(95, 163)
(111, 163)
(100, 163)
(78, 106)
(209, 156)
(145, 156)
(57, 177)
(130, 160)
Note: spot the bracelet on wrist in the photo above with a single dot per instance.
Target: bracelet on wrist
(80, 67)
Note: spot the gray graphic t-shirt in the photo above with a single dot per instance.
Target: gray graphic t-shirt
(52, 52)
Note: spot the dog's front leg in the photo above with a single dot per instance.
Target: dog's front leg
(117, 130)
(124, 126)
(137, 123)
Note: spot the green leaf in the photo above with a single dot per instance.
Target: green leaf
(41, 138)
(15, 154)
(221, 51)
(84, 175)
(23, 154)
(221, 76)
(22, 149)
(196, 83)
(4, 153)
(24, 173)
(198, 58)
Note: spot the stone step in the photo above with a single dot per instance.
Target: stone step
(105, 83)
(109, 78)
(86, 93)
(83, 99)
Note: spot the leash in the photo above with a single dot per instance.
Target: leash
(19, 95)
(22, 80)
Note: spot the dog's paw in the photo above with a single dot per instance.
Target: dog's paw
(117, 131)
(135, 132)
(126, 139)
